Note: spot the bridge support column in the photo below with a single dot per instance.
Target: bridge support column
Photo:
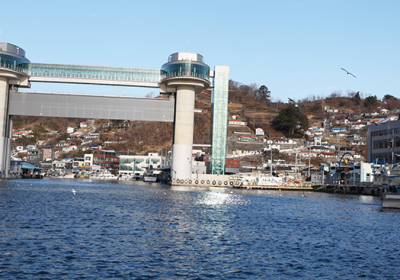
(183, 132)
(185, 74)
(5, 139)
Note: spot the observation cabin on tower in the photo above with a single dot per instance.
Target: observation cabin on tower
(184, 68)
(15, 65)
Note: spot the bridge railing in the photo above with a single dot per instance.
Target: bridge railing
(94, 73)
(17, 68)
(184, 74)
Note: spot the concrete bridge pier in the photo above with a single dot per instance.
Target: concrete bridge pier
(183, 132)
(6, 128)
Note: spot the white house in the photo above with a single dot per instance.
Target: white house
(69, 148)
(328, 155)
(83, 124)
(62, 144)
(332, 110)
(358, 125)
(64, 163)
(259, 131)
(40, 143)
(359, 142)
(76, 135)
(282, 141)
(318, 141)
(88, 160)
(339, 129)
(310, 133)
(236, 122)
(307, 154)
(70, 130)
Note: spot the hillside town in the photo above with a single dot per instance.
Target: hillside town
(337, 138)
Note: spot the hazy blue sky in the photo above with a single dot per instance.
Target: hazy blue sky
(296, 48)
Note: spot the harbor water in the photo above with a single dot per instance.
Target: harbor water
(136, 230)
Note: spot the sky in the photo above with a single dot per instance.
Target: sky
(294, 47)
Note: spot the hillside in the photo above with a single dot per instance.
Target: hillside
(244, 101)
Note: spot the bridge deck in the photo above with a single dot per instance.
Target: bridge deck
(78, 74)
(89, 106)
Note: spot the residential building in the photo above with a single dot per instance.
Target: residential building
(65, 163)
(69, 148)
(259, 132)
(46, 154)
(383, 142)
(247, 138)
(237, 122)
(131, 164)
(88, 160)
(78, 163)
(106, 159)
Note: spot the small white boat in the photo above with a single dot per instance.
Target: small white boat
(68, 176)
(105, 175)
(125, 177)
(391, 200)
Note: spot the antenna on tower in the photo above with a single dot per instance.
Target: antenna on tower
(187, 45)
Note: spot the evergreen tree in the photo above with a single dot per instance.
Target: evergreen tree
(356, 98)
(290, 119)
(264, 94)
(370, 101)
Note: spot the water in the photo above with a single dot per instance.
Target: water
(122, 231)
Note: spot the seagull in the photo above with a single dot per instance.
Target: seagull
(73, 191)
(348, 72)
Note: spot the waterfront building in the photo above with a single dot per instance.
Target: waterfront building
(106, 159)
(78, 162)
(383, 142)
(363, 173)
(137, 164)
(88, 160)
(65, 163)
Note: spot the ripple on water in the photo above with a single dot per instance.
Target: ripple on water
(112, 230)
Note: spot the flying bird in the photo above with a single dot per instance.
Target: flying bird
(73, 192)
(348, 72)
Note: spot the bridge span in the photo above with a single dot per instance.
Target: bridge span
(95, 75)
(91, 106)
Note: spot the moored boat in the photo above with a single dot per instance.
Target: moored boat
(391, 200)
(150, 176)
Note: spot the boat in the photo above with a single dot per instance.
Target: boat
(391, 200)
(105, 175)
(125, 177)
(150, 176)
(268, 181)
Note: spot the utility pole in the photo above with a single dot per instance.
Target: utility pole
(309, 162)
(271, 159)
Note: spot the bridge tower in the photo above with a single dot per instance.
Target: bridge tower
(184, 75)
(13, 73)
